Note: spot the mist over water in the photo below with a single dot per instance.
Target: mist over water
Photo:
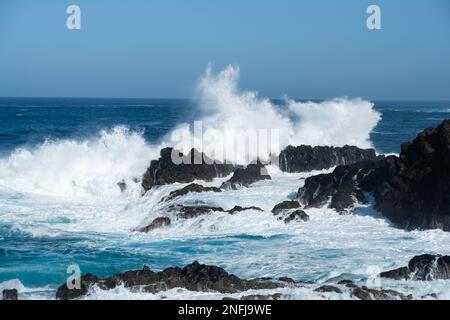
(60, 202)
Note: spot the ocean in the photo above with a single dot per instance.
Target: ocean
(61, 159)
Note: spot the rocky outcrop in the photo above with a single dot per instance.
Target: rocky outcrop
(194, 277)
(192, 188)
(156, 224)
(285, 205)
(425, 267)
(412, 190)
(196, 166)
(297, 215)
(244, 177)
(10, 294)
(306, 158)
(190, 212)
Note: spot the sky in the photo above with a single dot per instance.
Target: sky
(315, 49)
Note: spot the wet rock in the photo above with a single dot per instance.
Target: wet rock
(275, 296)
(328, 288)
(286, 279)
(10, 294)
(196, 166)
(237, 209)
(156, 224)
(192, 188)
(426, 267)
(365, 293)
(306, 158)
(122, 185)
(190, 212)
(297, 215)
(244, 177)
(285, 205)
(194, 277)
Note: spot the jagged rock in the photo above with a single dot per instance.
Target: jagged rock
(237, 209)
(156, 224)
(194, 277)
(297, 215)
(426, 267)
(365, 293)
(122, 185)
(412, 190)
(192, 188)
(244, 177)
(306, 158)
(10, 294)
(328, 288)
(285, 205)
(286, 279)
(189, 212)
(197, 166)
(340, 188)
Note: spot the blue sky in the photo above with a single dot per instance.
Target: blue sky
(159, 48)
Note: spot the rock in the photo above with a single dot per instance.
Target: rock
(297, 215)
(365, 293)
(306, 158)
(189, 212)
(341, 188)
(156, 224)
(122, 185)
(193, 187)
(194, 277)
(10, 294)
(244, 177)
(285, 205)
(197, 166)
(275, 296)
(328, 288)
(426, 267)
(237, 209)
(286, 279)
(412, 190)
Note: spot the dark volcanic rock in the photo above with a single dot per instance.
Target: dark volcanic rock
(197, 166)
(341, 187)
(237, 209)
(256, 297)
(156, 224)
(306, 158)
(194, 277)
(189, 212)
(10, 294)
(285, 205)
(426, 267)
(244, 177)
(297, 215)
(193, 187)
(328, 288)
(412, 190)
(365, 293)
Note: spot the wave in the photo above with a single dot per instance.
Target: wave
(93, 167)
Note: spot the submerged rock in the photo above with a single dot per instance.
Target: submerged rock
(156, 224)
(197, 166)
(328, 288)
(10, 294)
(244, 177)
(194, 277)
(192, 188)
(426, 267)
(306, 158)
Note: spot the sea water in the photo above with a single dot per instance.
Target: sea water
(61, 159)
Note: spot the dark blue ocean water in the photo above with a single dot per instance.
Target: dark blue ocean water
(39, 261)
